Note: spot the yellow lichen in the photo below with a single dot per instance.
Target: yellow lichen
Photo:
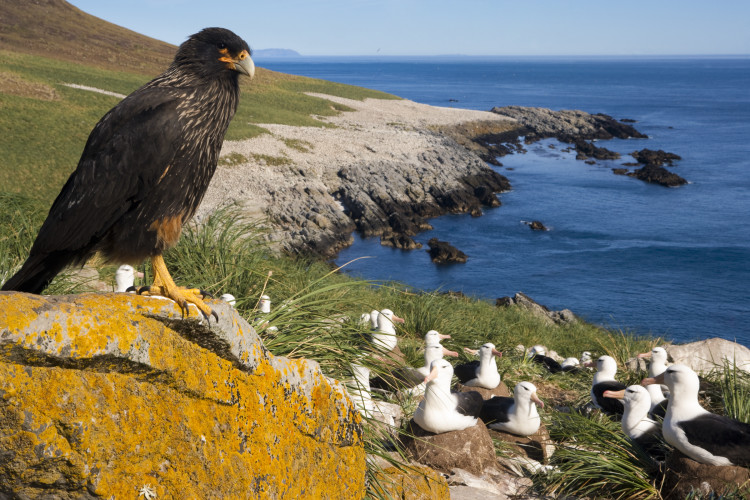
(189, 423)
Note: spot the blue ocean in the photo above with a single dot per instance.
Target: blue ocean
(672, 262)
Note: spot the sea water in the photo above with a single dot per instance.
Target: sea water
(620, 252)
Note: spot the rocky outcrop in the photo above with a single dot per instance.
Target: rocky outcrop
(711, 354)
(656, 158)
(567, 125)
(658, 175)
(536, 225)
(539, 310)
(105, 394)
(442, 252)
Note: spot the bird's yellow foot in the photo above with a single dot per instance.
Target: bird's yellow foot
(164, 286)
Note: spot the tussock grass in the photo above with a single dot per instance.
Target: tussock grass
(595, 459)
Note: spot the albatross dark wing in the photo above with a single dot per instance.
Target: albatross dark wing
(722, 436)
(496, 409)
(466, 371)
(469, 403)
(610, 406)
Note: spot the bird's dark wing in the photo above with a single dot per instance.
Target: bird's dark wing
(610, 406)
(496, 409)
(722, 436)
(549, 363)
(659, 411)
(571, 369)
(466, 371)
(127, 152)
(469, 403)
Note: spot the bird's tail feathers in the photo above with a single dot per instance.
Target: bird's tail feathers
(37, 272)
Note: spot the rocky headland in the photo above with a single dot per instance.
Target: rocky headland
(388, 166)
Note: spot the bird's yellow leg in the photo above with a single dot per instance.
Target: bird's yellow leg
(164, 285)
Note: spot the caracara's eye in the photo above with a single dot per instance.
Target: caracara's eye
(222, 45)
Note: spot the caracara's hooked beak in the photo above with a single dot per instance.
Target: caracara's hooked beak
(659, 379)
(614, 394)
(473, 352)
(431, 376)
(243, 63)
(645, 355)
(536, 400)
(452, 354)
(497, 353)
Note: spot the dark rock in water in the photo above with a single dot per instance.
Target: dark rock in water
(684, 476)
(656, 158)
(590, 162)
(536, 225)
(442, 252)
(620, 171)
(658, 175)
(400, 241)
(628, 120)
(588, 150)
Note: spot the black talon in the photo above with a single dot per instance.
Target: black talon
(143, 289)
(214, 314)
(131, 289)
(205, 294)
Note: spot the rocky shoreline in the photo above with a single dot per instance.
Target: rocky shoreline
(388, 166)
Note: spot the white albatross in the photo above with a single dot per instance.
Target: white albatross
(657, 366)
(701, 435)
(635, 422)
(125, 277)
(442, 410)
(384, 338)
(481, 373)
(517, 415)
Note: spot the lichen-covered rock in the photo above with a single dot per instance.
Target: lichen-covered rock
(101, 394)
(410, 483)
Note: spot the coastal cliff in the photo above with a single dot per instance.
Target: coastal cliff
(389, 165)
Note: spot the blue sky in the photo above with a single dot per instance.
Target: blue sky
(440, 27)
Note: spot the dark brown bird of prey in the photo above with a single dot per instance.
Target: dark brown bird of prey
(145, 169)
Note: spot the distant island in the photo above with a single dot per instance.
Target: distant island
(261, 53)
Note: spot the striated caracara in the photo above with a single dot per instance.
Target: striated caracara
(144, 169)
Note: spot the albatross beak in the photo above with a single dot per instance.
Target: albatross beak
(471, 351)
(537, 401)
(659, 379)
(443, 337)
(396, 319)
(432, 376)
(452, 354)
(614, 394)
(497, 353)
(645, 355)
